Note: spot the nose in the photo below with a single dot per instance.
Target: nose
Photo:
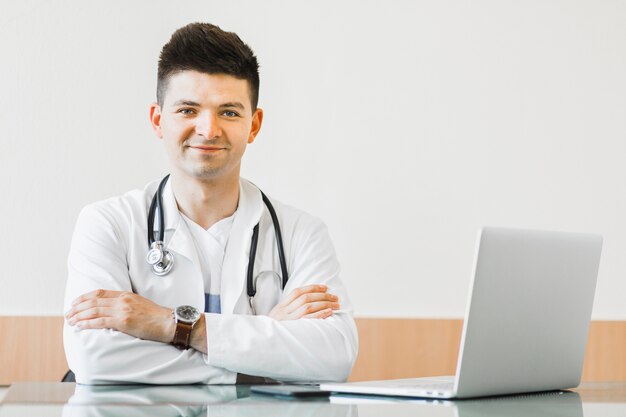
(208, 125)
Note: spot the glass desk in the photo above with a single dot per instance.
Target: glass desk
(606, 399)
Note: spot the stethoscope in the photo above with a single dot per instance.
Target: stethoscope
(162, 260)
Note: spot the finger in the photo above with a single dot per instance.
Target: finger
(298, 292)
(97, 323)
(96, 294)
(89, 303)
(320, 314)
(91, 313)
(311, 308)
(310, 298)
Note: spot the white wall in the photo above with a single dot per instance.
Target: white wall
(405, 125)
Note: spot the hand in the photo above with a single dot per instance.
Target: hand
(310, 302)
(123, 311)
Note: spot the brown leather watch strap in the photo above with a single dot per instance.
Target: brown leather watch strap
(182, 335)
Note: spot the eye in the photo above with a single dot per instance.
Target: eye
(186, 111)
(230, 113)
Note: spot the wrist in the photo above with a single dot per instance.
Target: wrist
(198, 335)
(169, 327)
(185, 319)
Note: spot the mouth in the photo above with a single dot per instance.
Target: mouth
(206, 149)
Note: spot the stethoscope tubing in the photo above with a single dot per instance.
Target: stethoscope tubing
(279, 238)
(156, 209)
(157, 206)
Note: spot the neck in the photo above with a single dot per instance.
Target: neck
(206, 202)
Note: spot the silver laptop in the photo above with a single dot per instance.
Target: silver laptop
(526, 322)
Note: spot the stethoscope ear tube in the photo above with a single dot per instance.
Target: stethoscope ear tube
(151, 213)
(251, 288)
(161, 260)
(279, 239)
(157, 206)
(251, 285)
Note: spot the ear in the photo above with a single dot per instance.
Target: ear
(155, 119)
(257, 121)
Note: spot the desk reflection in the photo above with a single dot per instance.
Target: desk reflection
(232, 400)
(550, 404)
(192, 400)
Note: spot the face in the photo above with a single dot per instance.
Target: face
(206, 123)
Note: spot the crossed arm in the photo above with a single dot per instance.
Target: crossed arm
(137, 316)
(117, 336)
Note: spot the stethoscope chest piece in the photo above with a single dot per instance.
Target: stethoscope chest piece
(155, 254)
(162, 261)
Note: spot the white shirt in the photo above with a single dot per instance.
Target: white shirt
(211, 246)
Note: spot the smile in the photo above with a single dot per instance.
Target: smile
(207, 149)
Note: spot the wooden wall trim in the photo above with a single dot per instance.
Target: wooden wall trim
(31, 349)
(405, 348)
(605, 358)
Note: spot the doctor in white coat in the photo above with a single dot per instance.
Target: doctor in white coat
(122, 319)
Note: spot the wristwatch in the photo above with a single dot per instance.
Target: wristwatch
(186, 317)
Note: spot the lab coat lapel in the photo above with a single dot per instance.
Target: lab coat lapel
(187, 283)
(177, 235)
(236, 257)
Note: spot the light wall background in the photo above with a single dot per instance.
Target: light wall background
(405, 125)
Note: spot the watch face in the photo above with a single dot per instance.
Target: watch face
(187, 314)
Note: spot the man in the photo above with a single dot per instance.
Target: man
(206, 227)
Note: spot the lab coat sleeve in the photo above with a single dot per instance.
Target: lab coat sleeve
(292, 350)
(97, 259)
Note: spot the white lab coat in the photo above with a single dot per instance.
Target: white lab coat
(108, 251)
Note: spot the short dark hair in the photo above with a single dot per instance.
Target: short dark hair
(206, 48)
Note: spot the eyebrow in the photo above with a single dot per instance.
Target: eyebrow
(186, 103)
(233, 104)
(190, 103)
